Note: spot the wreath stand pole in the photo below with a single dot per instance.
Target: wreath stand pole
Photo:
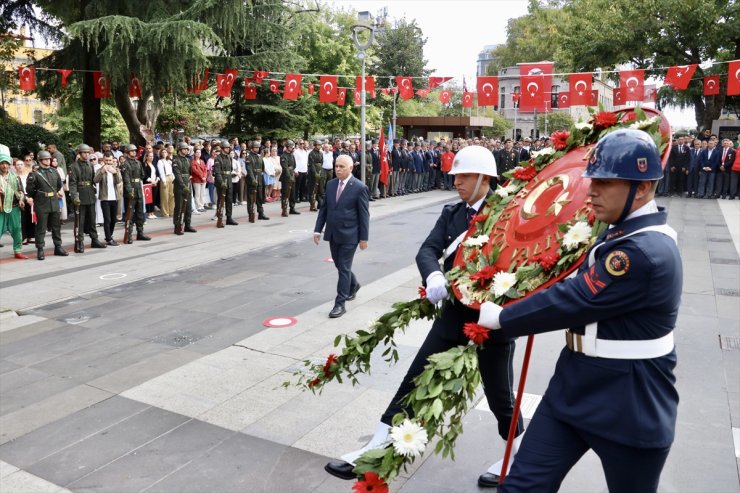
(517, 407)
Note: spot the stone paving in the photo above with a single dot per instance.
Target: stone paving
(147, 367)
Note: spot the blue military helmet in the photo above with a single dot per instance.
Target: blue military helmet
(625, 154)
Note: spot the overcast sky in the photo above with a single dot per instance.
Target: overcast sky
(457, 30)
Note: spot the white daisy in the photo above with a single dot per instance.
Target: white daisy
(643, 124)
(579, 233)
(476, 241)
(502, 282)
(409, 439)
(544, 152)
(504, 192)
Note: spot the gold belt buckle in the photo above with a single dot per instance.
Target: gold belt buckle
(49, 194)
(135, 180)
(574, 341)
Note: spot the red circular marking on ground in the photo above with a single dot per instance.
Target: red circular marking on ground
(279, 322)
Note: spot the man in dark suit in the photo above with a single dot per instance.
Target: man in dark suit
(346, 215)
(692, 174)
(727, 159)
(679, 164)
(709, 161)
(473, 168)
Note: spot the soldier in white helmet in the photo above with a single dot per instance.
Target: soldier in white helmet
(474, 168)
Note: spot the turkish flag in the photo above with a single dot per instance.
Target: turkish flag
(27, 78)
(619, 97)
(148, 195)
(102, 85)
(422, 93)
(260, 75)
(274, 86)
(200, 83)
(328, 88)
(580, 89)
(292, 86)
(563, 100)
(383, 159)
(437, 81)
(341, 96)
(358, 96)
(733, 78)
(651, 93)
(311, 88)
(225, 81)
(467, 100)
(633, 82)
(369, 85)
(64, 72)
(711, 85)
(405, 87)
(203, 85)
(533, 92)
(488, 91)
(250, 88)
(385, 91)
(444, 96)
(680, 76)
(134, 87)
(515, 97)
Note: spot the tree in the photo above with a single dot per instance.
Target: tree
(557, 120)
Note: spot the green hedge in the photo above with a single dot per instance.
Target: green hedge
(23, 138)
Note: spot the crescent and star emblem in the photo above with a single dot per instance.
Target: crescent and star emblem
(406, 83)
(329, 88)
(637, 83)
(711, 83)
(536, 88)
(490, 86)
(101, 82)
(578, 84)
(25, 71)
(528, 208)
(293, 83)
(737, 74)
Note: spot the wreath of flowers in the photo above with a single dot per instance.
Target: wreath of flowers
(449, 380)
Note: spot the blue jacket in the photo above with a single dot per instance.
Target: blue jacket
(418, 161)
(713, 161)
(694, 160)
(346, 220)
(632, 402)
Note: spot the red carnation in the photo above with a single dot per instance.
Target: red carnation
(314, 382)
(629, 117)
(422, 293)
(524, 173)
(476, 333)
(591, 217)
(605, 119)
(371, 484)
(560, 140)
(484, 275)
(473, 255)
(547, 260)
(327, 366)
(479, 218)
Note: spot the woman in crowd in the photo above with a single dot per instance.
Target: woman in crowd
(65, 188)
(28, 228)
(210, 178)
(243, 175)
(236, 175)
(151, 177)
(277, 186)
(198, 176)
(268, 174)
(166, 188)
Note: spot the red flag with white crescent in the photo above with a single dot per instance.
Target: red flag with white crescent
(533, 93)
(148, 195)
(711, 85)
(64, 73)
(580, 89)
(260, 75)
(27, 78)
(274, 86)
(488, 91)
(358, 96)
(679, 76)
(733, 78)
(437, 81)
(467, 100)
(563, 100)
(385, 91)
(102, 85)
(383, 159)
(369, 84)
(204, 80)
(250, 88)
(444, 96)
(292, 86)
(422, 93)
(405, 87)
(341, 96)
(619, 97)
(328, 88)
(633, 82)
(225, 81)
(594, 98)
(134, 87)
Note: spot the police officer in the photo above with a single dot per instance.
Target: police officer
(315, 161)
(473, 168)
(43, 190)
(131, 175)
(508, 157)
(222, 168)
(255, 182)
(287, 179)
(183, 195)
(82, 191)
(613, 389)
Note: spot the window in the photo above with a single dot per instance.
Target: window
(555, 91)
(38, 117)
(502, 99)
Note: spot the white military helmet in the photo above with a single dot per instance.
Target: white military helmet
(474, 159)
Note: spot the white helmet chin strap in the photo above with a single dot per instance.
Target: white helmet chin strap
(477, 188)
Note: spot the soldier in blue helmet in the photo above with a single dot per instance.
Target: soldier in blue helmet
(613, 390)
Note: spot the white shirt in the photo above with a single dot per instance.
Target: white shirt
(477, 205)
(269, 165)
(301, 160)
(165, 168)
(328, 160)
(235, 170)
(110, 181)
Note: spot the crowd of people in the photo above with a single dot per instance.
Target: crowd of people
(160, 180)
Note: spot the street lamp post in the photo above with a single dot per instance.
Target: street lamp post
(361, 48)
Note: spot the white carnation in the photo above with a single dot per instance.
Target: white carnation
(583, 126)
(476, 241)
(409, 439)
(644, 124)
(464, 289)
(502, 282)
(544, 152)
(504, 192)
(579, 233)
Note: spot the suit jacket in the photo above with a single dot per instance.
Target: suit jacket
(713, 161)
(729, 160)
(680, 159)
(694, 160)
(346, 220)
(524, 155)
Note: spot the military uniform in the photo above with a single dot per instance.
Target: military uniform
(255, 185)
(183, 196)
(507, 160)
(81, 187)
(287, 180)
(42, 186)
(315, 162)
(132, 174)
(222, 171)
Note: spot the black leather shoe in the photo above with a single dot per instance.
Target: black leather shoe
(60, 252)
(231, 222)
(295, 212)
(178, 231)
(142, 237)
(262, 217)
(337, 311)
(81, 247)
(341, 470)
(97, 244)
(353, 293)
(190, 229)
(40, 254)
(112, 243)
(488, 480)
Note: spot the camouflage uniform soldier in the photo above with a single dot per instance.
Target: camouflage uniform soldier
(183, 196)
(43, 190)
(131, 175)
(222, 172)
(255, 182)
(315, 161)
(287, 179)
(82, 191)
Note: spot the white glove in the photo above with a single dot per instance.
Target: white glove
(436, 287)
(489, 313)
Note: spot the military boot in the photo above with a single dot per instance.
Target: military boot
(285, 212)
(262, 217)
(97, 244)
(40, 254)
(251, 217)
(190, 229)
(178, 230)
(293, 211)
(231, 222)
(80, 246)
(60, 252)
(142, 237)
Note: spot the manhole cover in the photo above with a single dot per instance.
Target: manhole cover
(727, 292)
(77, 318)
(177, 339)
